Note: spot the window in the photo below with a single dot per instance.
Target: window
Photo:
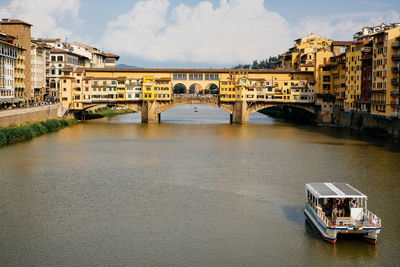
(212, 77)
(180, 76)
(196, 76)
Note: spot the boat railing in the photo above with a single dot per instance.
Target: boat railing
(345, 221)
(321, 215)
(372, 218)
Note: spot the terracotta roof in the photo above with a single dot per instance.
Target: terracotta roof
(257, 79)
(67, 68)
(13, 45)
(111, 55)
(57, 50)
(342, 43)
(49, 40)
(14, 21)
(163, 79)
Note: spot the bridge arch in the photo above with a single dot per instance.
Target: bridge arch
(212, 101)
(180, 89)
(257, 107)
(195, 88)
(212, 88)
(135, 107)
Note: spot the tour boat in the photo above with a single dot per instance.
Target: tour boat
(338, 208)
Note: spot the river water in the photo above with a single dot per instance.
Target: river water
(190, 191)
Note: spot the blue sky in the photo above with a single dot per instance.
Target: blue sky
(197, 33)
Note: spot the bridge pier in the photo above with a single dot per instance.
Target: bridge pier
(150, 111)
(240, 113)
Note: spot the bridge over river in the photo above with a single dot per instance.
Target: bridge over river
(239, 111)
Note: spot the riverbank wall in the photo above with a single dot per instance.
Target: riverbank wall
(26, 115)
(366, 123)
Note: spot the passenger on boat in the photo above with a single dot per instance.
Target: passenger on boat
(341, 208)
(353, 204)
(328, 206)
(334, 211)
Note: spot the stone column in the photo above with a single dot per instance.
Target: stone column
(240, 112)
(150, 111)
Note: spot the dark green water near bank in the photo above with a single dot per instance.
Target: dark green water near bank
(193, 190)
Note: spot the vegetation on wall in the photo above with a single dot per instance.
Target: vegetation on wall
(14, 134)
(106, 112)
(263, 64)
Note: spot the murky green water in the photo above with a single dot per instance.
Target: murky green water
(191, 191)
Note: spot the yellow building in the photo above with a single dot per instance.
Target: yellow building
(84, 86)
(353, 76)
(385, 73)
(19, 75)
(227, 89)
(121, 90)
(148, 88)
(339, 79)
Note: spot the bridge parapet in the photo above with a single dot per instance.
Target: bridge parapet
(196, 99)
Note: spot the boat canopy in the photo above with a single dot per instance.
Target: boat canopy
(334, 190)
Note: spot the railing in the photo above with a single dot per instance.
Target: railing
(372, 218)
(395, 69)
(395, 93)
(395, 82)
(378, 102)
(345, 221)
(395, 103)
(396, 57)
(396, 45)
(322, 216)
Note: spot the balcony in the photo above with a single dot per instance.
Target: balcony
(396, 45)
(396, 57)
(396, 69)
(379, 44)
(378, 102)
(395, 103)
(395, 93)
(395, 82)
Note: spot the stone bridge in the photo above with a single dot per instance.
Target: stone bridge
(239, 111)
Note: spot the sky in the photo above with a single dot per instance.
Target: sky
(197, 33)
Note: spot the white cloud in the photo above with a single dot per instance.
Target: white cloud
(233, 31)
(46, 16)
(343, 26)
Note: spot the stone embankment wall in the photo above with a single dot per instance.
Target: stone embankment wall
(24, 115)
(366, 123)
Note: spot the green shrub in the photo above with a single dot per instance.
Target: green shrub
(13, 134)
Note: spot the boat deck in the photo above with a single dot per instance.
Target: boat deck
(349, 221)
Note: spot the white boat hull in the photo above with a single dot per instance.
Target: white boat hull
(330, 233)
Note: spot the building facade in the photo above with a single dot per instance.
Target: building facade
(39, 56)
(22, 31)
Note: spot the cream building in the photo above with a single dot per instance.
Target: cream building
(39, 54)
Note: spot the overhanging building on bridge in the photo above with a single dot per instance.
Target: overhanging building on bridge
(158, 89)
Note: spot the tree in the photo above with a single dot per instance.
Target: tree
(179, 89)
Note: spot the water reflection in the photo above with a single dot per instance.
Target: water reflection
(196, 191)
